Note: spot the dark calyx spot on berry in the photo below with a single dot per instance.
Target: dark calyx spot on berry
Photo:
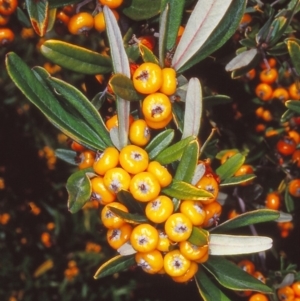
(156, 110)
(143, 76)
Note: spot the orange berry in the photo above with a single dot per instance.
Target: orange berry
(268, 76)
(264, 91)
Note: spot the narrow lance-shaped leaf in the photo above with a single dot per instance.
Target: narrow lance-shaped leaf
(38, 13)
(246, 219)
(207, 289)
(163, 22)
(176, 8)
(147, 55)
(187, 165)
(193, 109)
(159, 143)
(293, 105)
(35, 88)
(294, 52)
(238, 180)
(230, 167)
(242, 59)
(51, 19)
(224, 31)
(173, 152)
(182, 190)
(88, 112)
(131, 218)
(114, 265)
(76, 58)
(233, 277)
(221, 244)
(120, 65)
(205, 17)
(74, 109)
(79, 189)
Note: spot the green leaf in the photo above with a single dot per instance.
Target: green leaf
(221, 244)
(61, 3)
(159, 143)
(287, 115)
(204, 18)
(182, 190)
(187, 165)
(147, 55)
(289, 201)
(134, 206)
(23, 18)
(241, 60)
(294, 52)
(138, 10)
(88, 113)
(225, 27)
(163, 23)
(120, 65)
(123, 87)
(238, 180)
(293, 105)
(114, 265)
(131, 218)
(38, 14)
(249, 43)
(38, 92)
(207, 289)
(263, 33)
(76, 58)
(278, 49)
(231, 276)
(214, 100)
(176, 8)
(247, 219)
(193, 109)
(199, 237)
(66, 155)
(51, 19)
(229, 168)
(79, 189)
(178, 115)
(173, 152)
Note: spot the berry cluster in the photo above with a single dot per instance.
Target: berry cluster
(161, 240)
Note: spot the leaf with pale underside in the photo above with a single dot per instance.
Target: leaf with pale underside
(193, 109)
(222, 244)
(241, 60)
(205, 16)
(120, 65)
